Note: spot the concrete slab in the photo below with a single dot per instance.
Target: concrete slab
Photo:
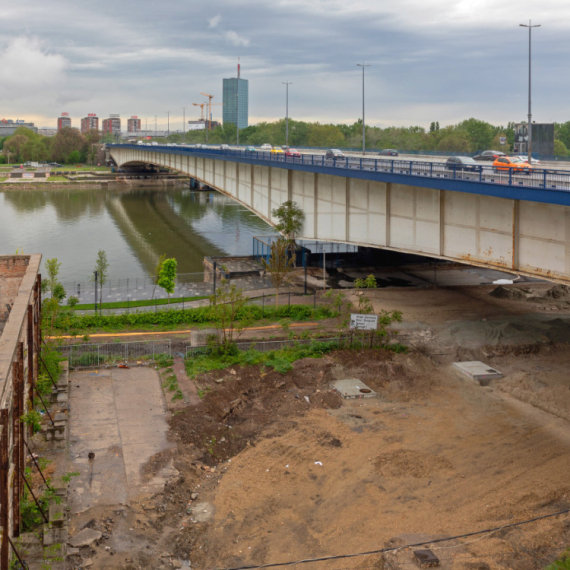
(353, 388)
(478, 371)
(84, 538)
(121, 418)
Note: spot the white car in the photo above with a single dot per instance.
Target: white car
(532, 160)
(266, 146)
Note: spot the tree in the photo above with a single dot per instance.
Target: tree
(52, 269)
(560, 148)
(156, 274)
(167, 276)
(74, 157)
(65, 142)
(228, 314)
(290, 222)
(101, 267)
(279, 265)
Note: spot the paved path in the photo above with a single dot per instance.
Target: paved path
(120, 416)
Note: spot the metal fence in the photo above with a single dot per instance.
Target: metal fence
(349, 340)
(88, 355)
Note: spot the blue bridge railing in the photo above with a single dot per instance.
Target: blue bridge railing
(533, 178)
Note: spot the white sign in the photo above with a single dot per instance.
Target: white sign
(363, 322)
(503, 140)
(196, 126)
(28, 175)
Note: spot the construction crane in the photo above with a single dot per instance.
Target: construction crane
(210, 105)
(201, 105)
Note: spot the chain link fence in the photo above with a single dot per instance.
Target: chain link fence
(88, 355)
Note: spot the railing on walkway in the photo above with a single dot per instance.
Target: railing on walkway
(537, 178)
(87, 355)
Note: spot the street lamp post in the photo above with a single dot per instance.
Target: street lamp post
(155, 117)
(363, 65)
(168, 122)
(286, 83)
(529, 129)
(184, 123)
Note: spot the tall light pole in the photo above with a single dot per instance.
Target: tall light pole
(530, 27)
(363, 65)
(155, 117)
(286, 83)
(184, 123)
(168, 115)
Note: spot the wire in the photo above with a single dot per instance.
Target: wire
(395, 548)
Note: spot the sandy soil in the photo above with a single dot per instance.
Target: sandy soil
(276, 467)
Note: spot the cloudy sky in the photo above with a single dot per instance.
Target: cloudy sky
(444, 60)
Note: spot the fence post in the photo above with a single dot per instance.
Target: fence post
(98, 355)
(126, 351)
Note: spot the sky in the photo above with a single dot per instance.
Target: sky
(430, 60)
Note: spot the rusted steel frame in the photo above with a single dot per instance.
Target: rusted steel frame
(45, 408)
(37, 465)
(39, 327)
(22, 562)
(34, 497)
(4, 467)
(31, 359)
(16, 438)
(47, 370)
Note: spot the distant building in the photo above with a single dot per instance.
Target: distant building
(47, 132)
(236, 101)
(133, 124)
(8, 126)
(112, 125)
(91, 122)
(63, 121)
(542, 140)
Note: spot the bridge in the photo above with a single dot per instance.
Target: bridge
(504, 220)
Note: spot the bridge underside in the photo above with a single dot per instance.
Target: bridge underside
(526, 237)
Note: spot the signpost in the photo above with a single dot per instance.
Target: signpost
(363, 322)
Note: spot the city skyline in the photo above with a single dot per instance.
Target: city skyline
(430, 60)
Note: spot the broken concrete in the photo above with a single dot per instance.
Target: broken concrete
(351, 388)
(478, 371)
(86, 537)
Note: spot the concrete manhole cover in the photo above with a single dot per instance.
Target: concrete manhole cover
(478, 371)
(353, 388)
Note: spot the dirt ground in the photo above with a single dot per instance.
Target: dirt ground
(278, 467)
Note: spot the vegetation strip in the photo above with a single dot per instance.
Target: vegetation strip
(132, 304)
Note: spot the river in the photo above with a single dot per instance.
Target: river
(133, 226)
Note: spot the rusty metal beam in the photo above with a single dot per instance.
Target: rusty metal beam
(4, 467)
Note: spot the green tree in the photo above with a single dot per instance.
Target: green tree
(290, 221)
(102, 268)
(157, 270)
(52, 269)
(560, 148)
(229, 317)
(74, 157)
(65, 142)
(480, 133)
(167, 276)
(279, 265)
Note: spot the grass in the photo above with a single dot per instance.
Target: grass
(58, 179)
(134, 304)
(73, 168)
(3, 178)
(279, 360)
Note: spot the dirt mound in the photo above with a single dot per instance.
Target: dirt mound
(242, 403)
(513, 293)
(408, 463)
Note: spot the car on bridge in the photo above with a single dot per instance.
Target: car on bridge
(532, 160)
(277, 150)
(224, 147)
(334, 153)
(513, 163)
(250, 149)
(388, 152)
(266, 146)
(489, 155)
(461, 163)
(292, 153)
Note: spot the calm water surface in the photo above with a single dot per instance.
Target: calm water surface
(133, 226)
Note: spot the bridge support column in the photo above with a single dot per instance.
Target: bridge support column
(516, 233)
(388, 214)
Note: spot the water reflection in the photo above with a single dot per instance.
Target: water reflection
(133, 226)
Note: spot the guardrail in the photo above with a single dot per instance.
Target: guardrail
(535, 178)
